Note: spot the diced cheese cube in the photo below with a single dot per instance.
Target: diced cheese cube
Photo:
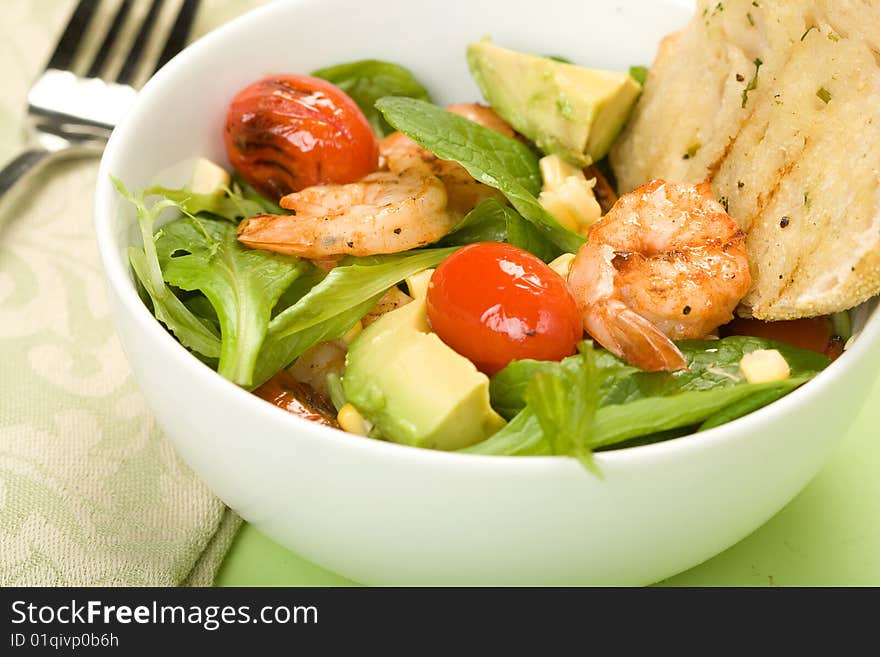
(208, 178)
(555, 170)
(562, 264)
(764, 365)
(568, 195)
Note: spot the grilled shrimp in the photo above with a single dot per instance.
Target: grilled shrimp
(666, 263)
(418, 200)
(385, 212)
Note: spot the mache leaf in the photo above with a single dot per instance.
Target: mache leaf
(329, 309)
(243, 285)
(168, 309)
(229, 204)
(350, 284)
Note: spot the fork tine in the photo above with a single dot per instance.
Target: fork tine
(65, 51)
(179, 32)
(109, 39)
(130, 66)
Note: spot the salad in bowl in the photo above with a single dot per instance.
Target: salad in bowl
(554, 356)
(464, 277)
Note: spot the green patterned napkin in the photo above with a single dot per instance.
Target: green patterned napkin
(91, 493)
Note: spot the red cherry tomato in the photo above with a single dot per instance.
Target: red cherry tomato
(287, 132)
(495, 303)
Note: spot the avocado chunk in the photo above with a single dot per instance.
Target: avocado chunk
(567, 110)
(414, 388)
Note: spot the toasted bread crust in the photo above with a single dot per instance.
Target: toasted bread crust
(778, 106)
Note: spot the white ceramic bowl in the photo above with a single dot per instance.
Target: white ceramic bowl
(386, 514)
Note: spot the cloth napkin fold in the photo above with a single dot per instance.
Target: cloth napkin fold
(91, 493)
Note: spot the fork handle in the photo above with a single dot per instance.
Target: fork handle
(19, 167)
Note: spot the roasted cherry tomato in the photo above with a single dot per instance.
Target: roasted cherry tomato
(814, 334)
(495, 303)
(287, 132)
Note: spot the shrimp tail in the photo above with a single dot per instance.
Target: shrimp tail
(636, 340)
(272, 232)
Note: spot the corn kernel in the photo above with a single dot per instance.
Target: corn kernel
(352, 421)
(764, 365)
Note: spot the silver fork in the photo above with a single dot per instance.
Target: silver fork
(74, 114)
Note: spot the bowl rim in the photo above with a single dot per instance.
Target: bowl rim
(119, 281)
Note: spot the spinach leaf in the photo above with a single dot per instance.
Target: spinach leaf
(744, 407)
(565, 403)
(168, 309)
(522, 436)
(644, 405)
(243, 285)
(619, 422)
(485, 223)
(492, 221)
(507, 388)
(492, 158)
(368, 80)
(526, 236)
(711, 364)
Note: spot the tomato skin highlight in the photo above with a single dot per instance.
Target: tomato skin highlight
(494, 303)
(287, 132)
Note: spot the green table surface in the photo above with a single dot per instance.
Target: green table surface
(829, 535)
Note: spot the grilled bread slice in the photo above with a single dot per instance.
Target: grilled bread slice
(777, 104)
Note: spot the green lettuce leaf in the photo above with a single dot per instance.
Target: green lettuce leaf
(492, 158)
(368, 80)
(351, 283)
(231, 204)
(243, 285)
(192, 332)
(279, 351)
(333, 306)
